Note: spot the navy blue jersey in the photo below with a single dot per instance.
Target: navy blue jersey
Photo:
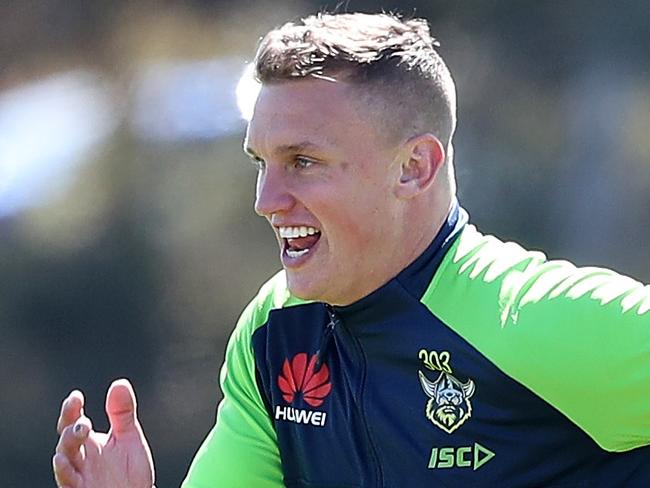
(480, 365)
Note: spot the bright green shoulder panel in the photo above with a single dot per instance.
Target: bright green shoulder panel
(274, 294)
(577, 337)
(241, 450)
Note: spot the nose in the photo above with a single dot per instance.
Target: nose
(452, 397)
(272, 195)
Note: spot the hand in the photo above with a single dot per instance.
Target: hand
(88, 459)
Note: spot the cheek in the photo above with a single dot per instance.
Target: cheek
(353, 216)
(357, 228)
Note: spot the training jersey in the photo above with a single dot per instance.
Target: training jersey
(481, 364)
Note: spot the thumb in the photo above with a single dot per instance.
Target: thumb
(121, 408)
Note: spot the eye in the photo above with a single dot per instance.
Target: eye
(301, 162)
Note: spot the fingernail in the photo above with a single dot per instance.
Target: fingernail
(78, 430)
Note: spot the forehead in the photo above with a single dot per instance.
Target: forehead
(312, 110)
(302, 96)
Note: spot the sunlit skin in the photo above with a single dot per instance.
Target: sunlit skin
(118, 459)
(324, 162)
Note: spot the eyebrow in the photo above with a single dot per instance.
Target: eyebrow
(286, 148)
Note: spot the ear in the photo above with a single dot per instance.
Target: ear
(421, 159)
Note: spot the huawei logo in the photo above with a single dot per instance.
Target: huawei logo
(299, 376)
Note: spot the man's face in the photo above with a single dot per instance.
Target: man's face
(326, 185)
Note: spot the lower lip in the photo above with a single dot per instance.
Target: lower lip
(289, 262)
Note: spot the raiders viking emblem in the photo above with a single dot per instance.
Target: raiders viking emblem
(449, 403)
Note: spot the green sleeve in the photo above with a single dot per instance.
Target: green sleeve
(577, 337)
(241, 450)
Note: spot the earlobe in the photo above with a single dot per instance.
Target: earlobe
(423, 156)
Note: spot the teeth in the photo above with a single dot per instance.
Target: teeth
(294, 254)
(294, 232)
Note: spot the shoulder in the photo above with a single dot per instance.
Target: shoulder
(567, 333)
(508, 279)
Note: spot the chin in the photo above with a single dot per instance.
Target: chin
(305, 289)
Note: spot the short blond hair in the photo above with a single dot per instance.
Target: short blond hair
(393, 60)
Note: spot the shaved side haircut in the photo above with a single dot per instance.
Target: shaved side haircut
(394, 63)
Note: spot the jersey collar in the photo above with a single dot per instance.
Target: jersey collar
(415, 278)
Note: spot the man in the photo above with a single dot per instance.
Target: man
(399, 346)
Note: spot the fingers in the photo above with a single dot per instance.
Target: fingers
(73, 429)
(69, 454)
(71, 410)
(121, 408)
(65, 474)
(71, 441)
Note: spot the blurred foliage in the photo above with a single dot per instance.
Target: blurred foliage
(141, 268)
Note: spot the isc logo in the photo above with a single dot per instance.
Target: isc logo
(460, 457)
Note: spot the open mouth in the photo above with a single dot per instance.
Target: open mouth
(298, 240)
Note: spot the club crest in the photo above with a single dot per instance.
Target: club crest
(449, 404)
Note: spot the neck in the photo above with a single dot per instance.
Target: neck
(426, 230)
(419, 233)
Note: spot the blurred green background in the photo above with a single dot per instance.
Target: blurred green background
(128, 245)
